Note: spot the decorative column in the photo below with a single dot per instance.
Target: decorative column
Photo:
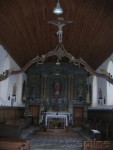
(71, 87)
(42, 85)
(45, 94)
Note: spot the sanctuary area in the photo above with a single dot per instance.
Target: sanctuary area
(56, 74)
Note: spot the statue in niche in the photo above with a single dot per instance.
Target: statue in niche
(80, 92)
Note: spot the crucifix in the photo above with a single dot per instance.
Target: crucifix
(60, 24)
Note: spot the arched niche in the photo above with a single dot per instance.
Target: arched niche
(57, 86)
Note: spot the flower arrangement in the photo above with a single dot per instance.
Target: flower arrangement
(55, 122)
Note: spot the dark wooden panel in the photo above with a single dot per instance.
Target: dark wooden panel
(78, 116)
(10, 131)
(32, 112)
(96, 145)
(10, 113)
(14, 143)
(103, 121)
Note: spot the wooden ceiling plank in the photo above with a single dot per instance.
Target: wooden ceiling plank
(25, 32)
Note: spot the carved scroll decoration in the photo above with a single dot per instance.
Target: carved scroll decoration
(60, 52)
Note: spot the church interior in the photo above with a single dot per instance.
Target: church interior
(56, 74)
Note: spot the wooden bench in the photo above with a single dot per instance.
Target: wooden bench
(10, 131)
(21, 122)
(14, 144)
(98, 145)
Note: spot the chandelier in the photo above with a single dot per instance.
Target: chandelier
(58, 10)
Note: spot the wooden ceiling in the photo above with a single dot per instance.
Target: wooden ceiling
(25, 32)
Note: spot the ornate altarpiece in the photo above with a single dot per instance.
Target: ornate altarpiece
(56, 85)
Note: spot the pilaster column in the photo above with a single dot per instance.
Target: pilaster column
(71, 87)
(45, 90)
(42, 87)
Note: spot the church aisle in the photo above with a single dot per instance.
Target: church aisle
(57, 140)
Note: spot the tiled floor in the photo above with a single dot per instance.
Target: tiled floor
(55, 139)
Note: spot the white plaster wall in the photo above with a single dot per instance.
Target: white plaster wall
(21, 79)
(6, 86)
(102, 84)
(89, 82)
(94, 92)
(3, 57)
(107, 88)
(18, 79)
(109, 95)
(4, 65)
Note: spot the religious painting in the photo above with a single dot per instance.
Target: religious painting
(57, 88)
(57, 85)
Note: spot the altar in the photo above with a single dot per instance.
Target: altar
(57, 118)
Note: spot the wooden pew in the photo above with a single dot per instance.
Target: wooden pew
(14, 144)
(10, 131)
(104, 119)
(14, 116)
(98, 145)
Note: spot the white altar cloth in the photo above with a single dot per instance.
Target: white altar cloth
(56, 116)
(59, 113)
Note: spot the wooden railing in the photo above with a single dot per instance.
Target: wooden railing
(10, 131)
(14, 116)
(14, 144)
(101, 120)
(98, 145)
(10, 113)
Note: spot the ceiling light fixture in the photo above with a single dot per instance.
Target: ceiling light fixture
(58, 10)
